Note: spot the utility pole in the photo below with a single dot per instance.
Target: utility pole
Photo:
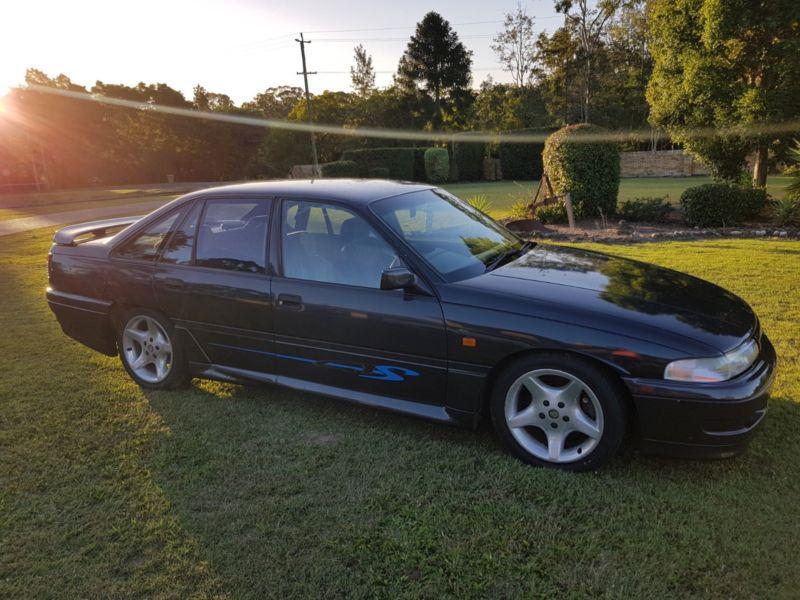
(305, 73)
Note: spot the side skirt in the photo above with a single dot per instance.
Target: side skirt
(431, 412)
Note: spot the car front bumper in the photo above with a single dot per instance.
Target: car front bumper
(709, 420)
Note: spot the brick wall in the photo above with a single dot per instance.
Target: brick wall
(662, 163)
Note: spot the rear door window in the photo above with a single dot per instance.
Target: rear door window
(233, 235)
(178, 250)
(148, 244)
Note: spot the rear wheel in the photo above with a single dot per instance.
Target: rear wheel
(150, 351)
(559, 411)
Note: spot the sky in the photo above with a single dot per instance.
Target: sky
(237, 47)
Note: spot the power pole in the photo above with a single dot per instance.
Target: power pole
(305, 73)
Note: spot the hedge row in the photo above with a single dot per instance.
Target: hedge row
(339, 168)
(401, 162)
(522, 160)
(468, 157)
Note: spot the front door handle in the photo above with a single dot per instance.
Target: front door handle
(290, 301)
(173, 283)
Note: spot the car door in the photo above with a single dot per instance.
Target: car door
(212, 279)
(334, 327)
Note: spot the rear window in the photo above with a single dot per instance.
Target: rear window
(233, 235)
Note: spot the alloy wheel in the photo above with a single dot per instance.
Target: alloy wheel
(147, 349)
(554, 415)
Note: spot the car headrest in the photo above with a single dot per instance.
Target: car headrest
(354, 229)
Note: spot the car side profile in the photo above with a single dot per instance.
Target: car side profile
(401, 296)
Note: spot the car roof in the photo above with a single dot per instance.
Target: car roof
(361, 191)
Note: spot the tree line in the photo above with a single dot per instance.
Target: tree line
(681, 66)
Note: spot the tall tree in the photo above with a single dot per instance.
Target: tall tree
(590, 24)
(731, 66)
(438, 63)
(362, 74)
(515, 46)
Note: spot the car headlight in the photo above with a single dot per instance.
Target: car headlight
(709, 370)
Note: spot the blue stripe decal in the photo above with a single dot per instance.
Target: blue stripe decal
(377, 372)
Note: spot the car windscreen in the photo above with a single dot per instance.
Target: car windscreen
(457, 240)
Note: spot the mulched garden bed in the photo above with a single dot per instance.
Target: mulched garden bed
(594, 230)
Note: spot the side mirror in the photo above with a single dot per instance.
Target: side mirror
(398, 278)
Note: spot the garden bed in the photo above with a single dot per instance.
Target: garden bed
(621, 231)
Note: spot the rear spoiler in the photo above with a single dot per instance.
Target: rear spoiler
(68, 236)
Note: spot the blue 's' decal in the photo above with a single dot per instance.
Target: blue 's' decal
(378, 372)
(389, 373)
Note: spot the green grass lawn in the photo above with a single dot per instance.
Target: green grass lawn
(502, 194)
(226, 491)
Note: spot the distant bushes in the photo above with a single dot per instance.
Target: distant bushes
(468, 157)
(521, 161)
(437, 165)
(379, 173)
(721, 204)
(398, 161)
(340, 168)
(588, 169)
(648, 209)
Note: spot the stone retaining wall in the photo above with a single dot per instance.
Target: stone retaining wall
(662, 163)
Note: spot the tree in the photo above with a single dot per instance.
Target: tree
(275, 102)
(503, 107)
(362, 74)
(515, 46)
(438, 63)
(590, 24)
(728, 66)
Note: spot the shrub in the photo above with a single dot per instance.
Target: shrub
(480, 202)
(437, 165)
(379, 173)
(340, 168)
(754, 201)
(468, 157)
(586, 168)
(520, 210)
(786, 212)
(523, 160)
(399, 161)
(650, 209)
(551, 213)
(721, 204)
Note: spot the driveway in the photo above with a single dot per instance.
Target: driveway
(11, 226)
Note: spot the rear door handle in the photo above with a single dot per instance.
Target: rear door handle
(290, 301)
(173, 283)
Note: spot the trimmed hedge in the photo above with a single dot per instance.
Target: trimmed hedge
(379, 173)
(468, 157)
(339, 168)
(587, 169)
(399, 161)
(649, 209)
(521, 161)
(721, 204)
(437, 164)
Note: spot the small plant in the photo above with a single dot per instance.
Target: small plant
(785, 212)
(521, 209)
(480, 202)
(649, 209)
(551, 213)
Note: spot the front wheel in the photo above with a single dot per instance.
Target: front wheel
(151, 352)
(559, 411)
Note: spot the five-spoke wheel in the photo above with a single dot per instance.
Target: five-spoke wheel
(559, 410)
(150, 352)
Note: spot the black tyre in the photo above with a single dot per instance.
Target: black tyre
(150, 350)
(559, 411)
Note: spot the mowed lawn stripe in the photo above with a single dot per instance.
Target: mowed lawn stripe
(249, 492)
